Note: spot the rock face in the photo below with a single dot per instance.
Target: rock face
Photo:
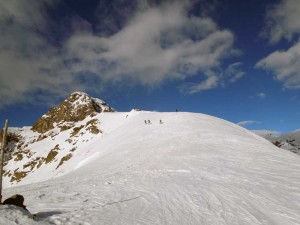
(17, 200)
(72, 123)
(75, 108)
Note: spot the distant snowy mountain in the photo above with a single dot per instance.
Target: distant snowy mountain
(144, 167)
(267, 133)
(289, 141)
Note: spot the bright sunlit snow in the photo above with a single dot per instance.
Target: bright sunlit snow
(189, 169)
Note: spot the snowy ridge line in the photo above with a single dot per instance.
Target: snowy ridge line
(192, 169)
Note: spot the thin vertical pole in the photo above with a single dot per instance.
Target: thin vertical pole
(2, 156)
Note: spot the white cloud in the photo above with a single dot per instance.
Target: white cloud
(283, 22)
(155, 44)
(261, 95)
(233, 72)
(210, 82)
(29, 64)
(285, 65)
(248, 122)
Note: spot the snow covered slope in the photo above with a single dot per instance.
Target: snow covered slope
(37, 153)
(189, 169)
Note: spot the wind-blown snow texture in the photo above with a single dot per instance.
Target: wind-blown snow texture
(192, 169)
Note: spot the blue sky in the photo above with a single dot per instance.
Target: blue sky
(234, 59)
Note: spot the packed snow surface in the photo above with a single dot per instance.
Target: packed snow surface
(191, 169)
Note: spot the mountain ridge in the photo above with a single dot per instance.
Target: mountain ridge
(29, 148)
(75, 108)
(288, 141)
(178, 168)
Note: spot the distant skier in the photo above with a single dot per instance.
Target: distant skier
(176, 110)
(145, 121)
(160, 121)
(149, 122)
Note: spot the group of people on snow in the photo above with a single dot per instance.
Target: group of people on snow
(149, 122)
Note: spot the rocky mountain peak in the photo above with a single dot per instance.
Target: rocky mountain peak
(75, 108)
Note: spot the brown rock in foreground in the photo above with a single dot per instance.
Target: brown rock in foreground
(17, 200)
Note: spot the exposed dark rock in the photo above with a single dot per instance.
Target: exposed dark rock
(91, 126)
(75, 108)
(11, 137)
(41, 160)
(93, 129)
(76, 130)
(17, 200)
(18, 176)
(51, 155)
(30, 165)
(277, 143)
(65, 158)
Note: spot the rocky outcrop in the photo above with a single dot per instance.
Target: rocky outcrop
(17, 200)
(11, 137)
(26, 151)
(75, 108)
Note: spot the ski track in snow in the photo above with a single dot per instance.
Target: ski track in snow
(192, 169)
